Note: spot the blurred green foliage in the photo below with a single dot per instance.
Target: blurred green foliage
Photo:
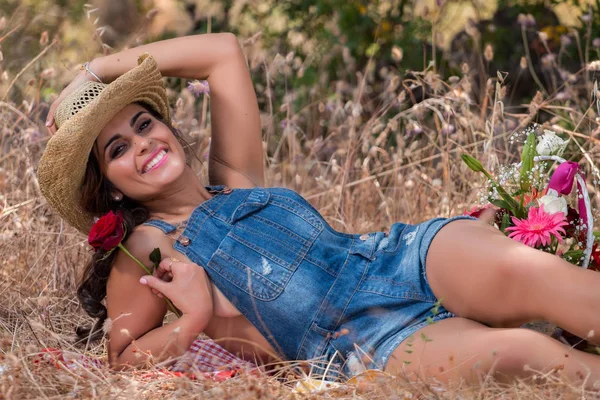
(329, 40)
(337, 38)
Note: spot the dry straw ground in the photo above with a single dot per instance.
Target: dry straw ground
(367, 154)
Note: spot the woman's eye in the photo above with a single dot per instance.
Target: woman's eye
(117, 150)
(145, 124)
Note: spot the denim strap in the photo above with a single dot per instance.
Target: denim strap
(168, 228)
(162, 225)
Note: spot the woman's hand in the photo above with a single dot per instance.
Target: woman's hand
(79, 80)
(185, 284)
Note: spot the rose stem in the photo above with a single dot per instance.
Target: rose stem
(169, 303)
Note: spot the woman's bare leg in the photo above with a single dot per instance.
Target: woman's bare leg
(460, 350)
(482, 275)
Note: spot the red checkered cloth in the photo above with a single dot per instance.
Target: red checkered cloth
(208, 356)
(204, 358)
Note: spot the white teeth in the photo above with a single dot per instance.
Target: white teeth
(155, 160)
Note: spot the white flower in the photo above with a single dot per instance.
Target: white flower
(593, 66)
(553, 204)
(549, 144)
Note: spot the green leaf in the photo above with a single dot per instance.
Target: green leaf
(472, 163)
(511, 203)
(372, 50)
(155, 257)
(527, 162)
(436, 307)
(107, 254)
(476, 166)
(574, 255)
(505, 222)
(500, 203)
(425, 338)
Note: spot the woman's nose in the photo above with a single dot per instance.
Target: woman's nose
(142, 144)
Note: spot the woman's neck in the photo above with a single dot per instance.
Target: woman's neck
(177, 203)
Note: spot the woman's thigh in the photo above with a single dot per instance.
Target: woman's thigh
(459, 350)
(477, 273)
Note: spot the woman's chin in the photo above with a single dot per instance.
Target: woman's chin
(155, 183)
(162, 185)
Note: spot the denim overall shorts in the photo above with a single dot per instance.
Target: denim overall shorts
(313, 292)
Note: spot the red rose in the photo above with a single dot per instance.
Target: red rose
(107, 233)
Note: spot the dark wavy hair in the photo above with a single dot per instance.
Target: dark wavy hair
(97, 200)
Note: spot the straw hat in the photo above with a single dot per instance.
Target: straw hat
(79, 118)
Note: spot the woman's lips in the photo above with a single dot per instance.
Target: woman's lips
(156, 161)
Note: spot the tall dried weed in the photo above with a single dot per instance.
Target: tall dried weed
(367, 153)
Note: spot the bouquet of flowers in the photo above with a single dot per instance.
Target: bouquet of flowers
(534, 201)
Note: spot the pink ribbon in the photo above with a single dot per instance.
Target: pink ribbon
(581, 206)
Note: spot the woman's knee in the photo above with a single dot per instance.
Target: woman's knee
(519, 352)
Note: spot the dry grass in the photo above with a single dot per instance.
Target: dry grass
(364, 153)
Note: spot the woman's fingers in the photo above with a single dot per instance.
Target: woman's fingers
(50, 118)
(488, 216)
(163, 268)
(154, 283)
(189, 290)
(166, 264)
(163, 272)
(79, 79)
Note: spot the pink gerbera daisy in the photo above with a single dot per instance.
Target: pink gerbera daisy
(538, 228)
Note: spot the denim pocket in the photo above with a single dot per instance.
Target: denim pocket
(269, 238)
(398, 289)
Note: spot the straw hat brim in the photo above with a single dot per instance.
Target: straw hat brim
(62, 166)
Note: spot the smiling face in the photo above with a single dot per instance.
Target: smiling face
(139, 154)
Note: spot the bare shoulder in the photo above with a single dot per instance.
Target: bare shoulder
(142, 241)
(126, 272)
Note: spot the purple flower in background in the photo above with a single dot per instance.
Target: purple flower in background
(198, 87)
(448, 129)
(528, 21)
(413, 129)
(596, 42)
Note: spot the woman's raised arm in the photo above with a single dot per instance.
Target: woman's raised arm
(236, 156)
